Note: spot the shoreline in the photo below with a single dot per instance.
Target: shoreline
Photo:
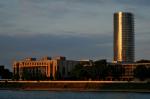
(78, 90)
(77, 86)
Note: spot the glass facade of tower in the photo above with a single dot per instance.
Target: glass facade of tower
(123, 37)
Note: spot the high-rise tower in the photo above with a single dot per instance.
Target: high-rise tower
(123, 37)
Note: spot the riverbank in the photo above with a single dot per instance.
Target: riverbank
(119, 86)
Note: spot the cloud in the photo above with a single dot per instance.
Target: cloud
(51, 16)
(74, 47)
(134, 2)
(73, 1)
(31, 17)
(74, 28)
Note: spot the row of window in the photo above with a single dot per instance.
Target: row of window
(35, 63)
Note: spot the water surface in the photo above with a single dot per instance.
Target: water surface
(11, 94)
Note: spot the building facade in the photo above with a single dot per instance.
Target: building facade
(128, 74)
(45, 68)
(123, 37)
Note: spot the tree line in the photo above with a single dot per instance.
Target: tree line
(100, 70)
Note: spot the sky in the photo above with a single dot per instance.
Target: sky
(77, 29)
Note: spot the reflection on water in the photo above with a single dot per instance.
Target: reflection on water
(8, 94)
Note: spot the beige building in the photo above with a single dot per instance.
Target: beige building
(45, 67)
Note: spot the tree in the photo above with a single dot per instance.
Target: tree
(58, 76)
(33, 75)
(148, 70)
(116, 71)
(141, 72)
(143, 61)
(16, 76)
(98, 71)
(51, 77)
(80, 73)
(26, 74)
(101, 70)
(76, 72)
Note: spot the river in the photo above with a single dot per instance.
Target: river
(19, 94)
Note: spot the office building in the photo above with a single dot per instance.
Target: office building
(123, 37)
(45, 68)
